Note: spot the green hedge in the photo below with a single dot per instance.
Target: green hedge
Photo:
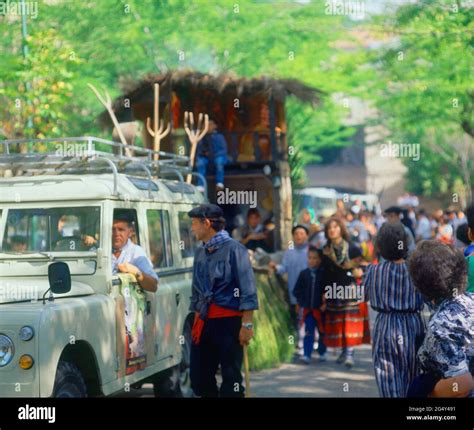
(272, 344)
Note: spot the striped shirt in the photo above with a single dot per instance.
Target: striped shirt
(388, 287)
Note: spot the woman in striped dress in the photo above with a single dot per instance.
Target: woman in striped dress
(398, 329)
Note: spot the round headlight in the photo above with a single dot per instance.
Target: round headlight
(7, 350)
(26, 333)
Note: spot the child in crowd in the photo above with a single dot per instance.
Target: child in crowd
(398, 329)
(309, 293)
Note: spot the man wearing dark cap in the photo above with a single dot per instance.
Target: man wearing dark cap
(223, 298)
(393, 214)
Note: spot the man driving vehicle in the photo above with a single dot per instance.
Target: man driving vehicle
(67, 231)
(128, 257)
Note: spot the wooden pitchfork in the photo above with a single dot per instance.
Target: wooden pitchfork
(107, 102)
(158, 131)
(194, 135)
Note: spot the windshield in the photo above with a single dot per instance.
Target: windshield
(69, 229)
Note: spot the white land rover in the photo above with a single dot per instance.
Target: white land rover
(68, 326)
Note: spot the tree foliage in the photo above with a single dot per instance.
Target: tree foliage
(36, 92)
(116, 40)
(425, 91)
(421, 81)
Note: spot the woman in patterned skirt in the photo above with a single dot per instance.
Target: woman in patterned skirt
(398, 328)
(346, 321)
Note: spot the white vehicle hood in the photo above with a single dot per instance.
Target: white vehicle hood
(14, 290)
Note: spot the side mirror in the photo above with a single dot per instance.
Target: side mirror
(59, 278)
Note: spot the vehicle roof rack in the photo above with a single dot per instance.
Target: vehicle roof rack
(86, 159)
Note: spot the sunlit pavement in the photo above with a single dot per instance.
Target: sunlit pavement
(327, 379)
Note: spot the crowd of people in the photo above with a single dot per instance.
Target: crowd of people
(402, 263)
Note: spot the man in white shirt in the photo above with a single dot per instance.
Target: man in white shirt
(130, 258)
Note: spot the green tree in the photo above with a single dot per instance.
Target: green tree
(121, 40)
(425, 92)
(37, 90)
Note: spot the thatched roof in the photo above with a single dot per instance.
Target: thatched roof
(223, 84)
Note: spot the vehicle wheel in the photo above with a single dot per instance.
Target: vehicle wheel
(176, 382)
(69, 381)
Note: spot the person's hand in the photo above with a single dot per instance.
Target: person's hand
(88, 240)
(128, 268)
(245, 336)
(347, 265)
(322, 308)
(357, 272)
(272, 265)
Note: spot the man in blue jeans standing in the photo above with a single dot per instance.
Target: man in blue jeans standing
(213, 147)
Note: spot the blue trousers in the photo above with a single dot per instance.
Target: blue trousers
(219, 346)
(310, 325)
(201, 165)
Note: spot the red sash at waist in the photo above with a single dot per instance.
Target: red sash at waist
(215, 311)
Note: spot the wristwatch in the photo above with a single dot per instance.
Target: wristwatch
(248, 326)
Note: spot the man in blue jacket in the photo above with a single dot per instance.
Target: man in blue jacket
(223, 298)
(213, 147)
